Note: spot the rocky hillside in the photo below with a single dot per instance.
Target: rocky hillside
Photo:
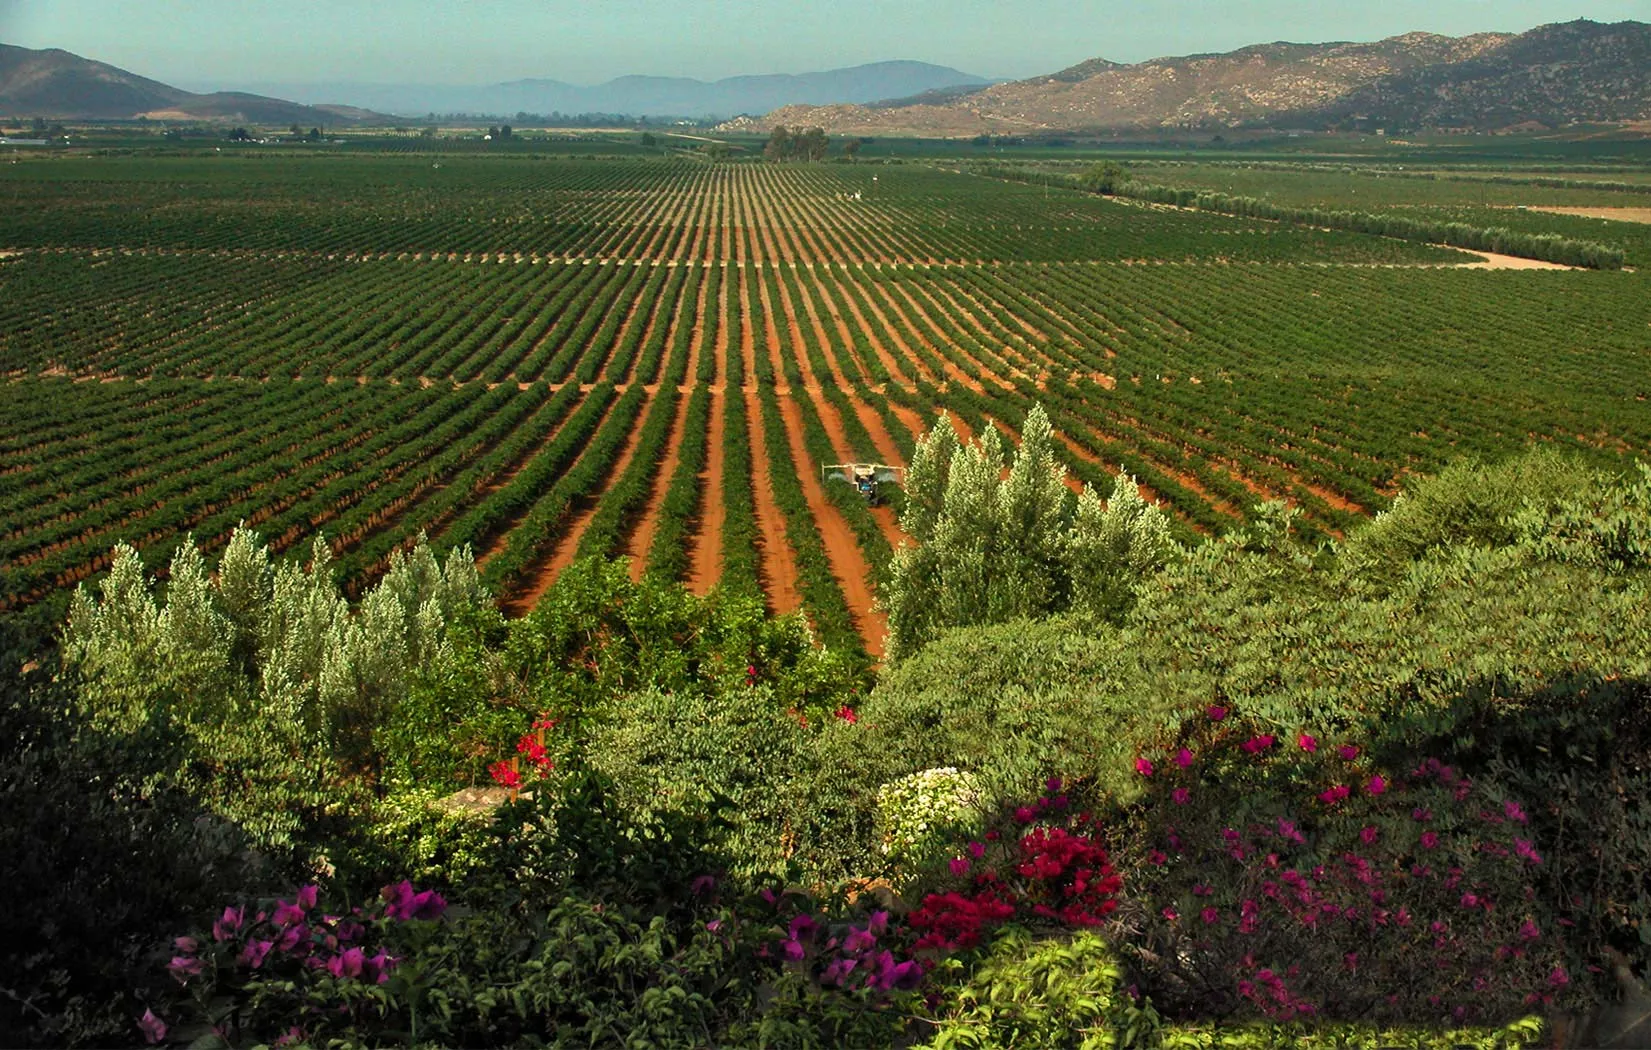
(58, 85)
(1558, 74)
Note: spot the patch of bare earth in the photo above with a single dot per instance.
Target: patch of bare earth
(1614, 214)
(1493, 261)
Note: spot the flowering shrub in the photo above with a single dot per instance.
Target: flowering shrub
(263, 970)
(1039, 865)
(531, 750)
(922, 813)
(1343, 893)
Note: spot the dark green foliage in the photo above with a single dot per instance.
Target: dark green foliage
(734, 756)
(102, 854)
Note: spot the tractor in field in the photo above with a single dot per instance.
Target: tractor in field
(865, 477)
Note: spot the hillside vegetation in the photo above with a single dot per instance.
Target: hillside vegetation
(1554, 75)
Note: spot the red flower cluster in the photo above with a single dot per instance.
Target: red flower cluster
(1064, 876)
(1077, 881)
(952, 921)
(531, 748)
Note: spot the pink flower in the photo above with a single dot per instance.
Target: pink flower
(1514, 813)
(1429, 840)
(1259, 743)
(187, 945)
(1170, 914)
(1307, 743)
(1470, 900)
(1288, 831)
(183, 967)
(1180, 796)
(977, 850)
(307, 897)
(846, 714)
(1348, 752)
(1420, 814)
(255, 951)
(229, 924)
(960, 866)
(1052, 785)
(287, 914)
(1024, 815)
(1367, 835)
(1334, 795)
(1210, 915)
(1143, 767)
(1558, 977)
(1157, 858)
(154, 1029)
(1183, 758)
(1377, 785)
(1217, 712)
(1526, 851)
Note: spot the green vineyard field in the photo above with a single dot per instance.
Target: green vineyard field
(545, 356)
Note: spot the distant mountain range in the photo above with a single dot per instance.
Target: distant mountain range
(646, 96)
(57, 85)
(1574, 72)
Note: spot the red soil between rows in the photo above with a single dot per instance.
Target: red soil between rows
(778, 564)
(502, 538)
(642, 536)
(705, 557)
(848, 565)
(566, 547)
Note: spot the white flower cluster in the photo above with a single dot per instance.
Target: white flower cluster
(922, 812)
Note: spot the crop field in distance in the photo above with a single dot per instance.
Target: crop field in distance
(551, 356)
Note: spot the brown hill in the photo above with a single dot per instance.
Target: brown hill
(1574, 72)
(58, 85)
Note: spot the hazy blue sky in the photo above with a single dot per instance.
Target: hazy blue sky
(223, 43)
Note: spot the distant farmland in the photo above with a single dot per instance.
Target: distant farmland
(553, 357)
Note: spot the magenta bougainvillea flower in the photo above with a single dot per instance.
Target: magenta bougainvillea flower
(1348, 752)
(1257, 744)
(153, 1028)
(1377, 785)
(1143, 767)
(403, 902)
(1217, 712)
(1183, 758)
(1180, 796)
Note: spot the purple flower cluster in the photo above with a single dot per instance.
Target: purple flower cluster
(294, 938)
(1327, 899)
(851, 957)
